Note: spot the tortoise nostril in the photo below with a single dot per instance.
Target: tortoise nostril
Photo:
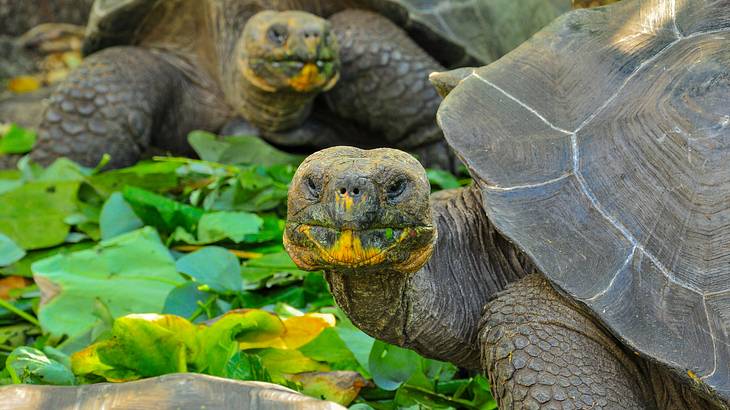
(356, 191)
(343, 191)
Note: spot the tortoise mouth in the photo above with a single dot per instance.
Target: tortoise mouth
(308, 74)
(314, 247)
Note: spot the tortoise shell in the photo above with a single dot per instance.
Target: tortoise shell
(602, 149)
(456, 32)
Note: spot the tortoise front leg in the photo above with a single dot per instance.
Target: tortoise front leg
(120, 101)
(541, 352)
(384, 86)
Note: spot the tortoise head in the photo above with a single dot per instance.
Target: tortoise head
(360, 210)
(289, 50)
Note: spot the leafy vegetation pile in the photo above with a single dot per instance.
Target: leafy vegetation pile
(177, 265)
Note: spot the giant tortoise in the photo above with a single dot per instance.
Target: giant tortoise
(165, 67)
(589, 264)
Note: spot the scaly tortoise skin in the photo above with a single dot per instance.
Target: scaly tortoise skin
(162, 68)
(588, 266)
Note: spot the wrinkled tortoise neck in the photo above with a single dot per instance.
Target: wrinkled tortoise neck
(374, 301)
(270, 111)
(437, 309)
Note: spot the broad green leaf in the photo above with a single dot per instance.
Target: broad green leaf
(117, 217)
(17, 140)
(161, 212)
(359, 343)
(245, 366)
(9, 251)
(31, 366)
(64, 169)
(184, 299)
(391, 366)
(239, 150)
(33, 214)
(235, 226)
(328, 347)
(441, 179)
(280, 362)
(22, 267)
(292, 295)
(131, 273)
(153, 176)
(213, 266)
(235, 330)
(270, 270)
(141, 345)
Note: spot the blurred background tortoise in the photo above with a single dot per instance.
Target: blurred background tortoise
(588, 266)
(160, 69)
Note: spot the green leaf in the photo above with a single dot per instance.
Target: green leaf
(213, 266)
(239, 150)
(235, 226)
(391, 366)
(359, 343)
(151, 176)
(184, 300)
(280, 362)
(270, 270)
(234, 330)
(161, 212)
(42, 224)
(32, 366)
(33, 215)
(117, 217)
(17, 140)
(441, 179)
(328, 347)
(130, 273)
(64, 169)
(9, 251)
(22, 267)
(245, 366)
(141, 345)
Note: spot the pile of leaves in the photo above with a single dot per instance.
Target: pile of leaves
(176, 265)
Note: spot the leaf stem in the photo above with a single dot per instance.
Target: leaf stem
(9, 306)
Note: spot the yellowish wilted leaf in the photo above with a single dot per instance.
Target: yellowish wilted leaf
(23, 84)
(341, 387)
(10, 283)
(301, 330)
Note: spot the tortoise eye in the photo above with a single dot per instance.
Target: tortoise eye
(396, 189)
(278, 34)
(311, 188)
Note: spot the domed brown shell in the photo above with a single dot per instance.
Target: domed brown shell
(602, 149)
(455, 31)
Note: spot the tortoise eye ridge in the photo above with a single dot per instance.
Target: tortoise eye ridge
(396, 189)
(278, 33)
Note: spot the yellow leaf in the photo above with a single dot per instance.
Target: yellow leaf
(10, 283)
(23, 84)
(301, 330)
(254, 328)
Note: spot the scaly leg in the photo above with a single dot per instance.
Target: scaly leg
(541, 352)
